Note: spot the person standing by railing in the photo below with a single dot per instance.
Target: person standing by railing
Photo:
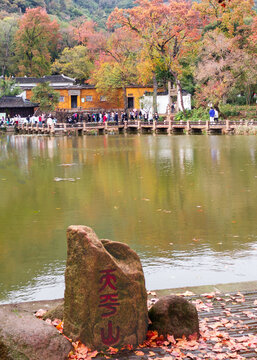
(116, 118)
(212, 114)
(216, 115)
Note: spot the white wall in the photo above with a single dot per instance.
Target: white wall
(146, 104)
(186, 102)
(23, 95)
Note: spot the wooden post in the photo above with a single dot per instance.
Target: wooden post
(227, 126)
(139, 125)
(169, 127)
(188, 127)
(84, 127)
(207, 126)
(106, 126)
(125, 125)
(154, 126)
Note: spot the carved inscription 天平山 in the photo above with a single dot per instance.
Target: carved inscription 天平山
(109, 305)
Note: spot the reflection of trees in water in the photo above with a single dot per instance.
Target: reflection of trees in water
(147, 191)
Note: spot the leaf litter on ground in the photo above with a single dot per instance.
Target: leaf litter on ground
(215, 342)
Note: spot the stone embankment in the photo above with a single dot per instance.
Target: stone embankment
(228, 328)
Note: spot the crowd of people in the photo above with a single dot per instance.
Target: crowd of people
(111, 116)
(98, 117)
(33, 119)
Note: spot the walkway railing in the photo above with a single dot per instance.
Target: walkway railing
(138, 125)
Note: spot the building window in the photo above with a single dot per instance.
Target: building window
(82, 100)
(103, 98)
(61, 99)
(89, 98)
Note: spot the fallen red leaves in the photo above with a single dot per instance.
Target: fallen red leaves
(223, 337)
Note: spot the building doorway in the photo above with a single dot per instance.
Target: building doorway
(130, 102)
(74, 101)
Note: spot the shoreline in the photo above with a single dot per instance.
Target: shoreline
(34, 305)
(227, 322)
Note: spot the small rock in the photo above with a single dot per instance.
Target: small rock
(57, 312)
(24, 337)
(175, 316)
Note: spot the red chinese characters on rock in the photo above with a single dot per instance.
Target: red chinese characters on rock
(109, 303)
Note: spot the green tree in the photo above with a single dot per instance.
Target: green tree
(46, 96)
(8, 27)
(36, 40)
(74, 62)
(8, 87)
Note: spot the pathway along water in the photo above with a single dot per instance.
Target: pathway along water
(186, 204)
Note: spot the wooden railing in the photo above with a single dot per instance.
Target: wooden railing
(135, 124)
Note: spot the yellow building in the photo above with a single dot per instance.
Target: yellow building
(82, 96)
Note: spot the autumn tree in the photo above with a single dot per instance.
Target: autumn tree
(227, 52)
(228, 19)
(86, 33)
(253, 36)
(117, 65)
(46, 96)
(67, 39)
(223, 69)
(166, 30)
(213, 73)
(74, 62)
(36, 39)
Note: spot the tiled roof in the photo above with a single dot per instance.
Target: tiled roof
(51, 78)
(15, 102)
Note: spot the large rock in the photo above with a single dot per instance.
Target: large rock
(24, 337)
(105, 302)
(175, 316)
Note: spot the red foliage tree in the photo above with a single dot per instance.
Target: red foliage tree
(166, 30)
(36, 40)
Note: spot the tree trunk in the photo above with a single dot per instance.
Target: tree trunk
(3, 70)
(155, 87)
(125, 99)
(180, 95)
(169, 92)
(248, 94)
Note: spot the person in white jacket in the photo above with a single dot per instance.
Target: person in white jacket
(216, 116)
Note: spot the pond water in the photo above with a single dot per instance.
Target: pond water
(185, 204)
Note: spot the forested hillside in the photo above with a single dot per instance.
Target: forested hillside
(207, 47)
(97, 10)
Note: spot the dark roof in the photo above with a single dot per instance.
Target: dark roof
(87, 86)
(51, 78)
(15, 102)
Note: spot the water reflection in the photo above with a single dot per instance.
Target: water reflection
(186, 204)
